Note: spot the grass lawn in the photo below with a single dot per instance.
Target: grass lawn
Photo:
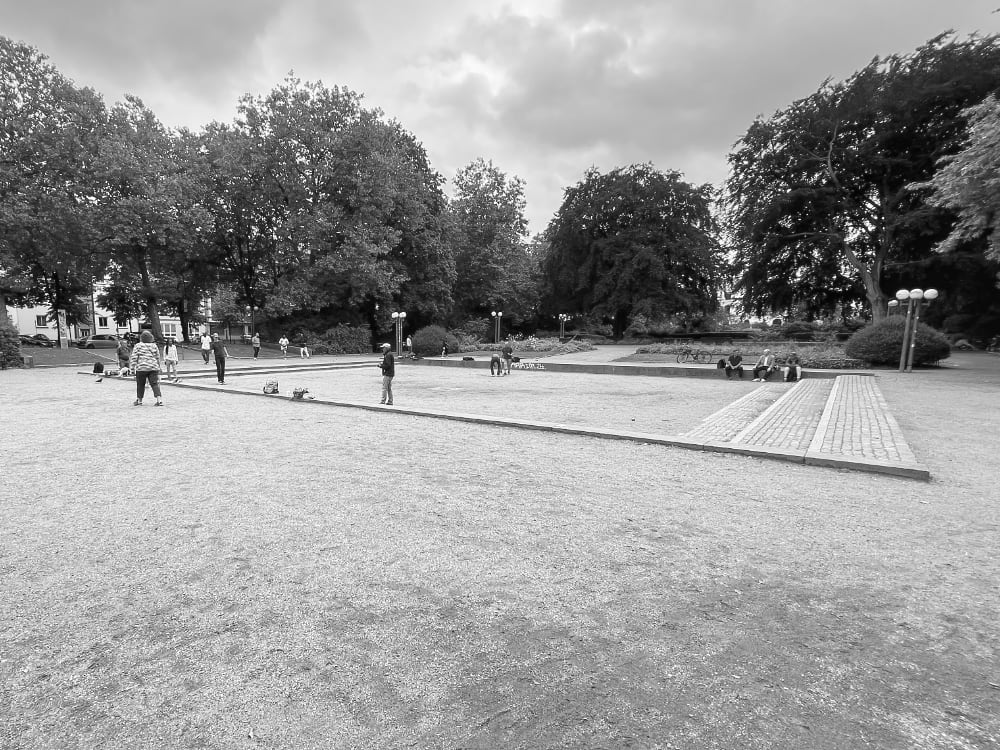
(236, 572)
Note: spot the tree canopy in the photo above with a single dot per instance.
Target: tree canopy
(629, 242)
(818, 201)
(968, 182)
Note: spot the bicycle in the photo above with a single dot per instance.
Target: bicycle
(695, 356)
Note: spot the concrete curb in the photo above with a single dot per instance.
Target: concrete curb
(638, 368)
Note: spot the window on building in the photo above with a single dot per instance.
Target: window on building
(169, 329)
(102, 322)
(41, 322)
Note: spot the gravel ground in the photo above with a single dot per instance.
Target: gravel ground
(232, 572)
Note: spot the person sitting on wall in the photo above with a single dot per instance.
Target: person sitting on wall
(764, 366)
(734, 364)
(792, 370)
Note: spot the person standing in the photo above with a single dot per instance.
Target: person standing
(145, 363)
(283, 343)
(171, 358)
(255, 343)
(508, 356)
(220, 352)
(409, 346)
(206, 346)
(388, 366)
(304, 347)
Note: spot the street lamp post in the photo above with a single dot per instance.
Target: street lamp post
(913, 298)
(563, 317)
(893, 306)
(497, 315)
(398, 318)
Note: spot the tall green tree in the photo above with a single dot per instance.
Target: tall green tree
(633, 241)
(150, 208)
(323, 205)
(817, 199)
(50, 131)
(493, 267)
(968, 182)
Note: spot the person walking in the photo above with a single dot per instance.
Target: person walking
(220, 352)
(409, 346)
(145, 363)
(304, 347)
(283, 343)
(171, 358)
(206, 346)
(388, 366)
(508, 356)
(255, 343)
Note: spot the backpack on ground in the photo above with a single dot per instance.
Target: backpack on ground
(271, 386)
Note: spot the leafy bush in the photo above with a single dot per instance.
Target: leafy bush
(10, 345)
(550, 345)
(427, 341)
(882, 342)
(345, 339)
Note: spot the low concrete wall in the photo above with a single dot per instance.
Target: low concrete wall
(650, 370)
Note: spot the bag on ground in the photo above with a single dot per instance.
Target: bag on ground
(271, 386)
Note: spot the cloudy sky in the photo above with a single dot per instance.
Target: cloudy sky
(543, 88)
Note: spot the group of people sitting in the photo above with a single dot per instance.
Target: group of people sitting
(791, 370)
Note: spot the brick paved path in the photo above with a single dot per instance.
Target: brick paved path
(845, 422)
(857, 422)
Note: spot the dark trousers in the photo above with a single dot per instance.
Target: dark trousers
(256, 351)
(220, 368)
(204, 355)
(730, 370)
(761, 372)
(140, 383)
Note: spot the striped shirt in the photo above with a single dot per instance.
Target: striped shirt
(145, 358)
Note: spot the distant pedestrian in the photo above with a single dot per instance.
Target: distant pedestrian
(171, 358)
(409, 346)
(304, 347)
(124, 354)
(388, 366)
(508, 356)
(496, 364)
(255, 343)
(145, 363)
(444, 348)
(283, 343)
(206, 346)
(220, 352)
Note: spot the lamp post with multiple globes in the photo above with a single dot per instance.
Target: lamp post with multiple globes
(914, 299)
(498, 317)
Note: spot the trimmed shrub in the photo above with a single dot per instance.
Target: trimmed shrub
(882, 342)
(427, 341)
(10, 345)
(345, 339)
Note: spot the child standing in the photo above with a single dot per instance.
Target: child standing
(171, 358)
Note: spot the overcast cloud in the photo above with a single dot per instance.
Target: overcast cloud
(543, 88)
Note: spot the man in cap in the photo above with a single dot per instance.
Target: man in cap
(388, 366)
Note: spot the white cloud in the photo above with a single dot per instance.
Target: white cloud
(543, 88)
